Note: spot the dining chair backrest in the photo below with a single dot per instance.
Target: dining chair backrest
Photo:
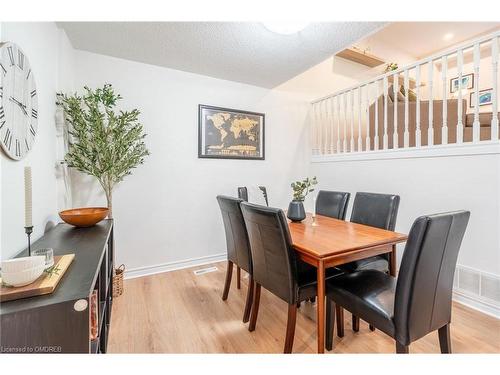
(238, 246)
(243, 193)
(425, 282)
(375, 210)
(274, 260)
(332, 203)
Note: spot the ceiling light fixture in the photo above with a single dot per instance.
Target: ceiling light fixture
(285, 27)
(448, 36)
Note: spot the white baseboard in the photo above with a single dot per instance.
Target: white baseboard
(477, 304)
(172, 266)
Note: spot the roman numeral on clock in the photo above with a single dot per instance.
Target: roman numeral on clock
(2, 113)
(26, 143)
(34, 113)
(20, 59)
(11, 56)
(33, 93)
(32, 130)
(18, 148)
(1, 91)
(8, 135)
(2, 124)
(28, 75)
(3, 69)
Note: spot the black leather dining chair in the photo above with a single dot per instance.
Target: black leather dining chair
(243, 194)
(238, 247)
(332, 204)
(419, 300)
(275, 264)
(375, 210)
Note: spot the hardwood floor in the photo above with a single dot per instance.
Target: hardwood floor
(178, 312)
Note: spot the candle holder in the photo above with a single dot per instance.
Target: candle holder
(28, 231)
(314, 223)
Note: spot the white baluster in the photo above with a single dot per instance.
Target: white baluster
(337, 106)
(395, 136)
(460, 125)
(407, 115)
(375, 138)
(345, 122)
(313, 128)
(476, 125)
(360, 142)
(418, 131)
(332, 126)
(367, 140)
(325, 127)
(430, 131)
(494, 96)
(385, 138)
(444, 128)
(351, 149)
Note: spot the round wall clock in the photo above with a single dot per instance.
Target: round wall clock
(18, 102)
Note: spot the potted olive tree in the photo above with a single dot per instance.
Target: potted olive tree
(296, 211)
(104, 143)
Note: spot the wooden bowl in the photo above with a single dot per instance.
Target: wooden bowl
(84, 217)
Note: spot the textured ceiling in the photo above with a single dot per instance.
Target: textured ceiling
(242, 52)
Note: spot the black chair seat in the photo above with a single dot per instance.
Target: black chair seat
(367, 294)
(378, 263)
(307, 279)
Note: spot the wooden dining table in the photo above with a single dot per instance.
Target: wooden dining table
(326, 242)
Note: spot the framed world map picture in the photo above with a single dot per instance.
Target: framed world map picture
(225, 133)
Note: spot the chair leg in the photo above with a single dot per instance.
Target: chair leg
(339, 312)
(255, 308)
(330, 323)
(248, 304)
(238, 277)
(372, 328)
(312, 300)
(290, 327)
(402, 349)
(444, 339)
(355, 323)
(227, 284)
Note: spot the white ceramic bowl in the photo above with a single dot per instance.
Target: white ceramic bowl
(22, 264)
(22, 278)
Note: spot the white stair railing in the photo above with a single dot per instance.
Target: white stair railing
(364, 108)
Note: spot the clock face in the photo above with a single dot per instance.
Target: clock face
(18, 102)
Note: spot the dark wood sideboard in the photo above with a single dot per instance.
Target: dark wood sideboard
(52, 323)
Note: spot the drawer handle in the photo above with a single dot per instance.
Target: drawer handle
(81, 305)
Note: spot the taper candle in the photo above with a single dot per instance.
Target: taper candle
(314, 205)
(28, 205)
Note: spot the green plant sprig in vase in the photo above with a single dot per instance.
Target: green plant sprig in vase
(296, 212)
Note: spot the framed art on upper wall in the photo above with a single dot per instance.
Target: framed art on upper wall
(467, 83)
(225, 133)
(485, 98)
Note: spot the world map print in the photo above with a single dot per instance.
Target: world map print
(228, 133)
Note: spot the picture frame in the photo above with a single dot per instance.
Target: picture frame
(485, 98)
(226, 133)
(467, 83)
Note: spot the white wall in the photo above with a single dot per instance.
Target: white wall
(432, 185)
(166, 211)
(42, 44)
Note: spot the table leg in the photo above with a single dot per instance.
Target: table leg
(392, 261)
(320, 306)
